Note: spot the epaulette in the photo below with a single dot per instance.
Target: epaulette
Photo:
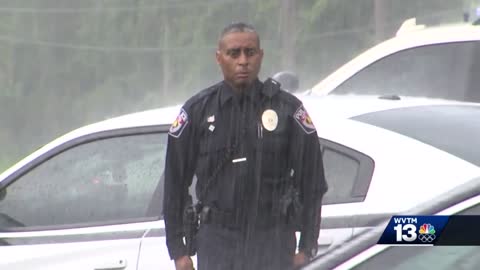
(271, 87)
(202, 95)
(289, 98)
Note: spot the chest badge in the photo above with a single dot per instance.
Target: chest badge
(270, 120)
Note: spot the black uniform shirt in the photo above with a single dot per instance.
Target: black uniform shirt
(217, 120)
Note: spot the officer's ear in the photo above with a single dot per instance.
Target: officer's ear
(217, 56)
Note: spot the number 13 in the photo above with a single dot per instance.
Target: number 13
(410, 234)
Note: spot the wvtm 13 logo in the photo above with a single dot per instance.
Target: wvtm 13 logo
(413, 230)
(406, 230)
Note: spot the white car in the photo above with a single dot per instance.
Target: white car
(385, 156)
(91, 198)
(363, 252)
(438, 62)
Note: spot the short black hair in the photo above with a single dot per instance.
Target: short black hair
(236, 27)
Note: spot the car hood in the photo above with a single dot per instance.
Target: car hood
(347, 106)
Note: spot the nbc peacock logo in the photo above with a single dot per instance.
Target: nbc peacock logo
(426, 233)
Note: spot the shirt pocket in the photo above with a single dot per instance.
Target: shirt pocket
(274, 153)
(212, 149)
(212, 142)
(276, 141)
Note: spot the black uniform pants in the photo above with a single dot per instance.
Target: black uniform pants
(224, 249)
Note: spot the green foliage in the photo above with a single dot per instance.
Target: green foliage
(67, 63)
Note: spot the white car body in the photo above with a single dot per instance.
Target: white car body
(409, 36)
(364, 252)
(391, 189)
(404, 167)
(128, 254)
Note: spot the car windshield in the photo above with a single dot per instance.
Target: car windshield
(419, 72)
(450, 128)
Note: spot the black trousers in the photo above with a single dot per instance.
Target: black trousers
(224, 249)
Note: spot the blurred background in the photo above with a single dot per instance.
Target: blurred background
(67, 63)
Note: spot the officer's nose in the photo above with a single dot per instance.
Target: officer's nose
(243, 59)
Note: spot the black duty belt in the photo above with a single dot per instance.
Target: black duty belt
(230, 220)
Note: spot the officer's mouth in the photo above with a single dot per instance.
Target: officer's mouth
(242, 75)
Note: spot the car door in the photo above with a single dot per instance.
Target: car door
(153, 251)
(348, 174)
(85, 204)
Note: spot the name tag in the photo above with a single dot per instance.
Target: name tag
(239, 160)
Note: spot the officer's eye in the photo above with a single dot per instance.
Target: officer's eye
(234, 53)
(250, 51)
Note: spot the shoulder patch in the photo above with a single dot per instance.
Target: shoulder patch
(179, 124)
(304, 120)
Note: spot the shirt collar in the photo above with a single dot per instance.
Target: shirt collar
(226, 92)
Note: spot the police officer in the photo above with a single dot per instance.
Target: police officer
(256, 156)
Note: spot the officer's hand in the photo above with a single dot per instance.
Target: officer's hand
(184, 263)
(299, 260)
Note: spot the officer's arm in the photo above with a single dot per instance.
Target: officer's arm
(310, 175)
(179, 170)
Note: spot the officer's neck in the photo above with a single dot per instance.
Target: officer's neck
(240, 90)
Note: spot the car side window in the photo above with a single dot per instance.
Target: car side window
(421, 71)
(108, 180)
(436, 257)
(348, 173)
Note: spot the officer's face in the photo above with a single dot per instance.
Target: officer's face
(240, 57)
